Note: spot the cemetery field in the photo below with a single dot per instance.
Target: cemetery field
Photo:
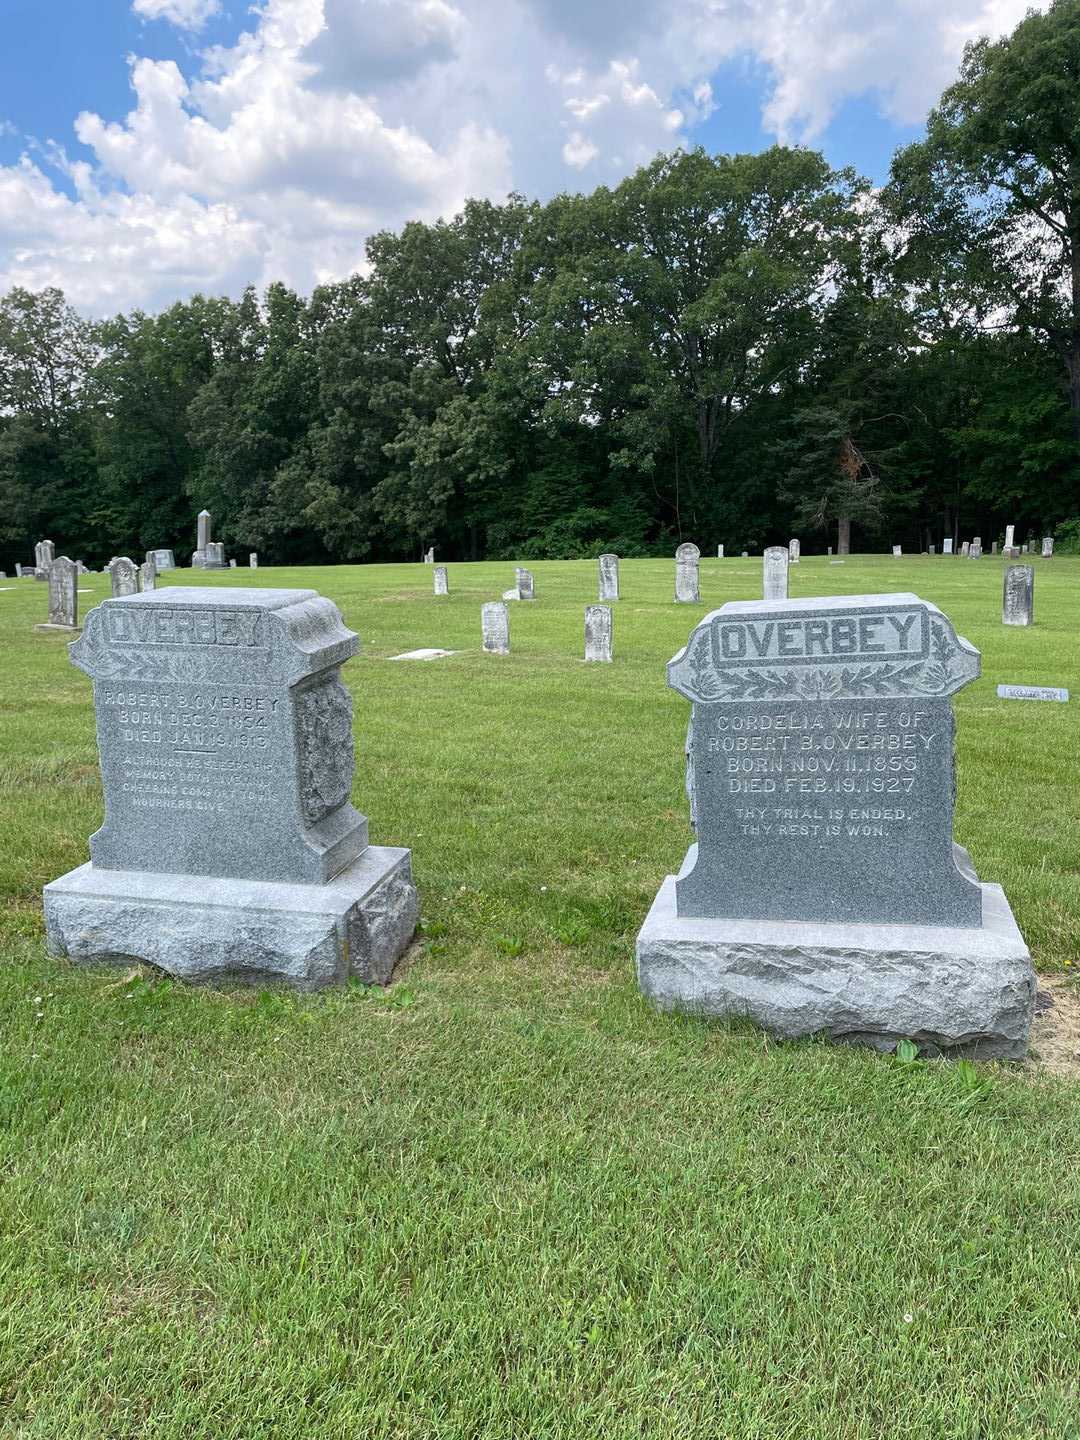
(504, 1198)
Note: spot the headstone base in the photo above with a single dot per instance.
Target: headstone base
(240, 932)
(61, 629)
(953, 992)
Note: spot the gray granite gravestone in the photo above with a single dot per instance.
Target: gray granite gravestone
(775, 572)
(63, 596)
(1010, 537)
(608, 567)
(897, 551)
(44, 555)
(598, 633)
(18, 570)
(215, 556)
(253, 560)
(975, 551)
(825, 892)
(1047, 547)
(719, 552)
(1018, 595)
(147, 576)
(965, 547)
(829, 552)
(524, 582)
(794, 551)
(202, 524)
(230, 848)
(495, 626)
(161, 560)
(993, 547)
(232, 564)
(932, 550)
(745, 555)
(124, 575)
(977, 541)
(687, 557)
(440, 581)
(429, 556)
(946, 545)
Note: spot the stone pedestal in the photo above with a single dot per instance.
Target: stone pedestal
(240, 931)
(230, 847)
(955, 992)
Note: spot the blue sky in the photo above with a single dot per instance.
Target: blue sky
(149, 148)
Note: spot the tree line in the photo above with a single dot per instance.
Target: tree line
(724, 348)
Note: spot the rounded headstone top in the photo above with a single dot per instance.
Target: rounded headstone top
(688, 551)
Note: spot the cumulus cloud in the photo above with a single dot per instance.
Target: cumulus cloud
(187, 14)
(275, 157)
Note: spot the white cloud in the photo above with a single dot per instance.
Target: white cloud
(328, 119)
(187, 14)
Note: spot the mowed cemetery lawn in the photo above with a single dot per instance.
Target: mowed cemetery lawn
(504, 1198)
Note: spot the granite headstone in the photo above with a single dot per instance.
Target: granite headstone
(440, 581)
(161, 560)
(1032, 692)
(608, 567)
(687, 557)
(598, 630)
(524, 582)
(63, 596)
(825, 892)
(1018, 595)
(124, 575)
(253, 560)
(215, 556)
(226, 745)
(774, 578)
(495, 627)
(946, 545)
(1047, 547)
(147, 576)
(202, 540)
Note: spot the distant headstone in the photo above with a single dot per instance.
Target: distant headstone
(965, 547)
(524, 581)
(829, 552)
(441, 583)
(975, 551)
(993, 547)
(686, 575)
(232, 564)
(1047, 547)
(147, 576)
(977, 541)
(253, 560)
(1010, 537)
(18, 570)
(215, 556)
(44, 555)
(429, 556)
(598, 633)
(124, 575)
(825, 894)
(495, 624)
(897, 551)
(608, 568)
(202, 523)
(794, 551)
(775, 573)
(745, 555)
(230, 850)
(1018, 595)
(1029, 548)
(719, 552)
(946, 545)
(161, 560)
(933, 550)
(1031, 692)
(63, 596)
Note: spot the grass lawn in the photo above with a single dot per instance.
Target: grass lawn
(504, 1199)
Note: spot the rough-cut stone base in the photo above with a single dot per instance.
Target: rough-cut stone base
(953, 992)
(240, 931)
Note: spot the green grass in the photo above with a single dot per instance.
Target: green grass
(505, 1199)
